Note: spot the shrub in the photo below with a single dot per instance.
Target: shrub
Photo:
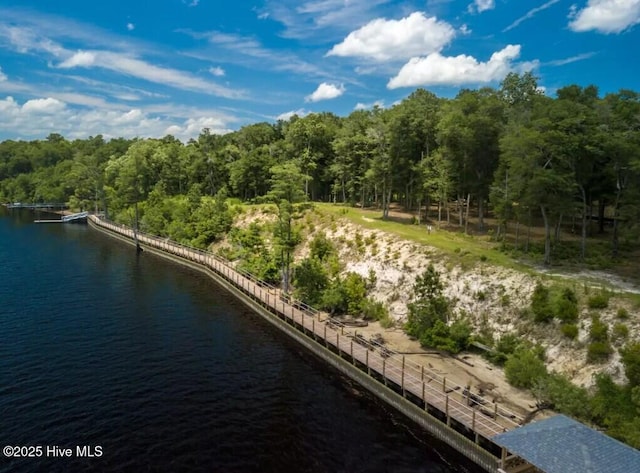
(453, 339)
(631, 361)
(506, 346)
(598, 352)
(598, 331)
(564, 396)
(599, 301)
(569, 330)
(565, 306)
(321, 247)
(374, 310)
(622, 313)
(540, 304)
(524, 368)
(620, 332)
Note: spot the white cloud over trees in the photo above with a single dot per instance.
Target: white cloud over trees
(436, 69)
(326, 91)
(385, 40)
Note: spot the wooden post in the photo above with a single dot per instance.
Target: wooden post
(473, 420)
(422, 373)
(444, 385)
(384, 370)
(495, 410)
(446, 410)
(402, 379)
(423, 399)
(503, 457)
(367, 358)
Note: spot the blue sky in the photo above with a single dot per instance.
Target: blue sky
(142, 68)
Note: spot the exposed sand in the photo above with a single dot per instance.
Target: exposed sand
(474, 371)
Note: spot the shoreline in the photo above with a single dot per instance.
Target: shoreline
(390, 376)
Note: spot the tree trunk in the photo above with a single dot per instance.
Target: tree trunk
(466, 216)
(601, 205)
(583, 241)
(557, 229)
(460, 216)
(480, 213)
(547, 236)
(528, 232)
(419, 210)
(517, 233)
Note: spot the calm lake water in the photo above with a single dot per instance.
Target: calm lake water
(164, 371)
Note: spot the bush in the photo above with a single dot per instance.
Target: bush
(620, 332)
(524, 368)
(631, 361)
(569, 330)
(506, 346)
(453, 339)
(622, 313)
(599, 301)
(598, 352)
(540, 304)
(374, 310)
(563, 396)
(321, 247)
(565, 306)
(599, 330)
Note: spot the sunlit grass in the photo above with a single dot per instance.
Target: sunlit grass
(457, 245)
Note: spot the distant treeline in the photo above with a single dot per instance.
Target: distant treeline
(512, 151)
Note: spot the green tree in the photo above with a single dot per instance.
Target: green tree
(429, 305)
(631, 361)
(287, 189)
(310, 280)
(524, 368)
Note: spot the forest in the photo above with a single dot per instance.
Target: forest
(511, 153)
(493, 162)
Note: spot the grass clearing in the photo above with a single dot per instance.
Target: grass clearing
(465, 249)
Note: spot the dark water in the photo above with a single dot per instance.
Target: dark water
(163, 371)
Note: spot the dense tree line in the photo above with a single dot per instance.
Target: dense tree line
(511, 151)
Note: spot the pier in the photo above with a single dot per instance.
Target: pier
(38, 206)
(72, 218)
(443, 407)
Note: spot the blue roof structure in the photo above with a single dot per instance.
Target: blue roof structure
(562, 445)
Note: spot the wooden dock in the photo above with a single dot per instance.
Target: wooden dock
(442, 399)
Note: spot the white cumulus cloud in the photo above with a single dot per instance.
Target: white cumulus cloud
(48, 105)
(384, 40)
(436, 69)
(217, 71)
(607, 16)
(131, 26)
(326, 91)
(481, 5)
